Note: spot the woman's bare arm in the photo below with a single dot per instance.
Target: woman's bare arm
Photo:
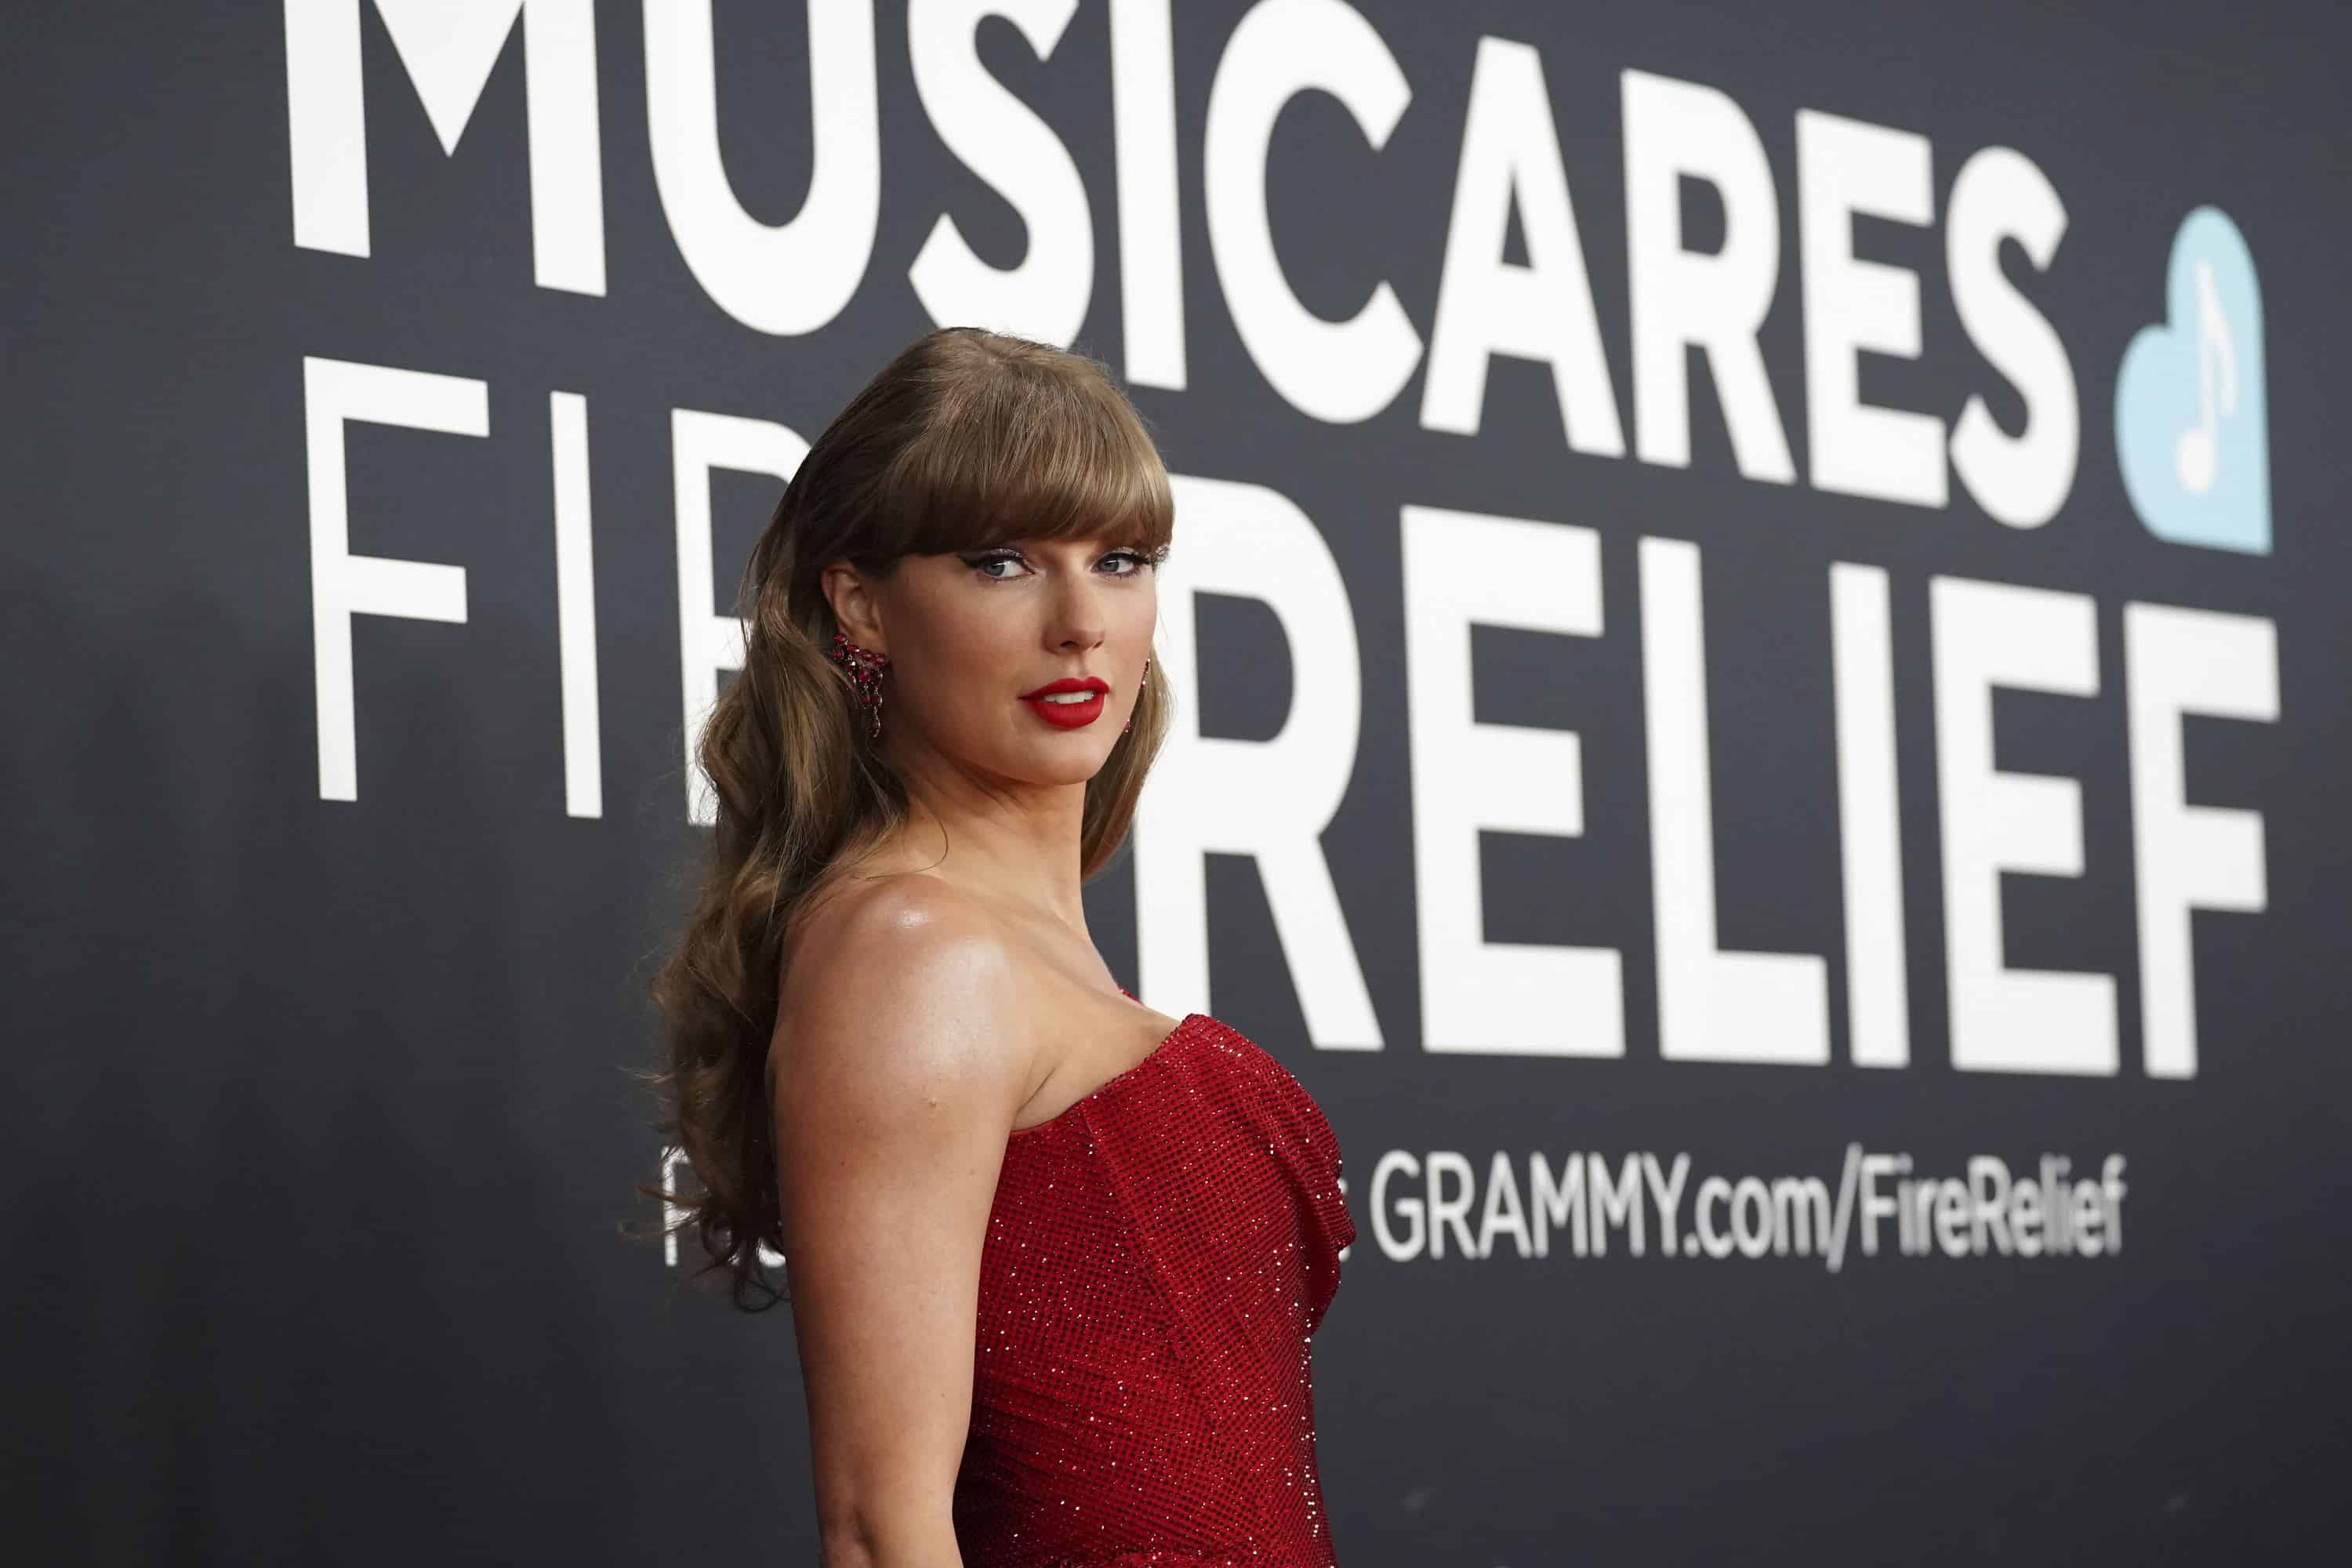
(901, 1058)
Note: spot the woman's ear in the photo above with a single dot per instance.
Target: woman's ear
(853, 609)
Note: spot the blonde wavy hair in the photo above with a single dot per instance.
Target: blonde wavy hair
(967, 440)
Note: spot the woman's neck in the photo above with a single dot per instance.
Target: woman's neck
(1018, 849)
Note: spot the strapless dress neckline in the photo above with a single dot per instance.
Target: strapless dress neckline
(1169, 1043)
(1158, 1257)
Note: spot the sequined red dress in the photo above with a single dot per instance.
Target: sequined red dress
(1158, 1259)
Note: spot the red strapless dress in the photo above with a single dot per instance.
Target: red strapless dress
(1157, 1260)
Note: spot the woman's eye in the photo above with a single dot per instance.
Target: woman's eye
(981, 563)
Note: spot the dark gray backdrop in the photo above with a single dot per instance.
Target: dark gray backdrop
(320, 1135)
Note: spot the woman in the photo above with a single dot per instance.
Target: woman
(1053, 1259)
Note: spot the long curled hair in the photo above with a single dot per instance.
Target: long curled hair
(967, 440)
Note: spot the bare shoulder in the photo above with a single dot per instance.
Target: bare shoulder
(893, 1091)
(900, 1001)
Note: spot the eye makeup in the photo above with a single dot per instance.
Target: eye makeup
(981, 561)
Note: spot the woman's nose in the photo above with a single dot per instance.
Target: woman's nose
(1079, 621)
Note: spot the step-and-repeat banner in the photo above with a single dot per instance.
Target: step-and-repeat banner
(1757, 616)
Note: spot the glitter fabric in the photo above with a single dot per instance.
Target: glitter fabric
(1158, 1259)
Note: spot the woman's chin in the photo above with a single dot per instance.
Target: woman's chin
(1071, 759)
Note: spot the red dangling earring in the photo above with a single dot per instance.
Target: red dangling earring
(865, 667)
(1140, 688)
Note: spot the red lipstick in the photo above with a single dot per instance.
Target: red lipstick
(1070, 702)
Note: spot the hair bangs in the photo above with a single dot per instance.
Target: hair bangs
(1028, 457)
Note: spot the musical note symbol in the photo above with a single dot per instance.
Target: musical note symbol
(2197, 458)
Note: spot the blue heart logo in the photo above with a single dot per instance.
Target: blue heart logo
(2192, 431)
